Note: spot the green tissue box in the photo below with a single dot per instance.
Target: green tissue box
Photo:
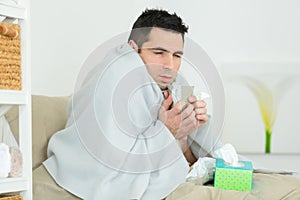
(233, 178)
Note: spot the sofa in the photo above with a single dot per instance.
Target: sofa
(49, 115)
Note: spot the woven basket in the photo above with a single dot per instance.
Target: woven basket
(15, 197)
(10, 57)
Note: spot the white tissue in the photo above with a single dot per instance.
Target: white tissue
(228, 153)
(202, 96)
(5, 160)
(202, 169)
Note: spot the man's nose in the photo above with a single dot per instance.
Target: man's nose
(168, 61)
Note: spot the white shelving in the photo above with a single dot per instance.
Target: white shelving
(13, 97)
(13, 11)
(13, 184)
(22, 99)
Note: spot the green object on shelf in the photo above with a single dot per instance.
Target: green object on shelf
(233, 178)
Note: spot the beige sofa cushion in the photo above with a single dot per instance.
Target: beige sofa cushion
(265, 186)
(49, 115)
(45, 188)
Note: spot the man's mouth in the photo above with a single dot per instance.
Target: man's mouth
(166, 78)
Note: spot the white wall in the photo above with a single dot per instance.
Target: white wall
(65, 32)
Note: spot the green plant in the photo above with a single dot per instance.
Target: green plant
(268, 101)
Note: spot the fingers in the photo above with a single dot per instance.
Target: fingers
(190, 120)
(184, 117)
(192, 99)
(202, 117)
(199, 104)
(202, 121)
(188, 125)
(166, 94)
(167, 102)
(178, 107)
(187, 111)
(200, 111)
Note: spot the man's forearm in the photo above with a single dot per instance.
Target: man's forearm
(189, 156)
(187, 152)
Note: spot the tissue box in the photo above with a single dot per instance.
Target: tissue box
(233, 178)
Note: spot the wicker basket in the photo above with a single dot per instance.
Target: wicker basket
(10, 57)
(14, 197)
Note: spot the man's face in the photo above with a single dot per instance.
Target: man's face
(162, 55)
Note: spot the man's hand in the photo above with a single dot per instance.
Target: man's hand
(183, 118)
(200, 109)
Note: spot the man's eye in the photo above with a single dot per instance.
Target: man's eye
(177, 55)
(158, 52)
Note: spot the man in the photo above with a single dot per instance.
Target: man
(161, 50)
(117, 144)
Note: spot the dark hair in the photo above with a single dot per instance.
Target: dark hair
(155, 18)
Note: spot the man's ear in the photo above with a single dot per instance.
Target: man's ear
(133, 45)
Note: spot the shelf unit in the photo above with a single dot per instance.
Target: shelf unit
(13, 97)
(20, 13)
(13, 11)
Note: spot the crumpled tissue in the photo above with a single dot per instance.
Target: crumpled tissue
(204, 167)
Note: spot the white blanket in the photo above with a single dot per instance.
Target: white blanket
(113, 146)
